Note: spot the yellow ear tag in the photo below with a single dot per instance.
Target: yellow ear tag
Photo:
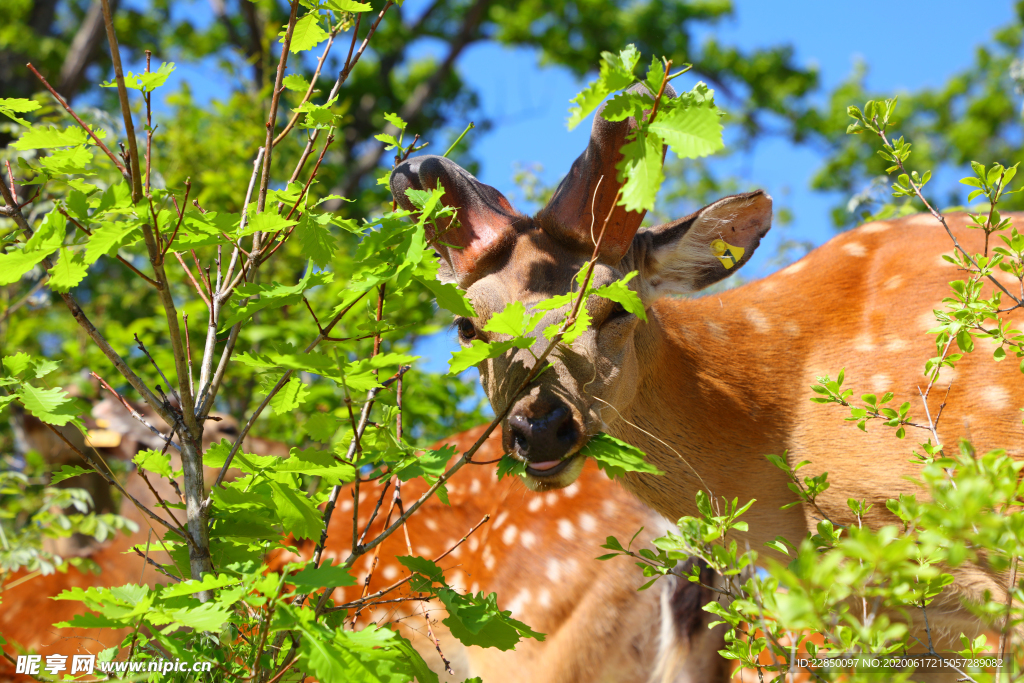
(726, 253)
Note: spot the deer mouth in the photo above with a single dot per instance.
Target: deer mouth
(548, 468)
(553, 474)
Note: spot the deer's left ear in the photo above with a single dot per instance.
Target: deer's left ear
(689, 254)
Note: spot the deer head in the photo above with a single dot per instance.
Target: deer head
(499, 256)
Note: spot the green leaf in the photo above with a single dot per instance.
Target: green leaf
(66, 472)
(617, 457)
(448, 296)
(307, 33)
(291, 396)
(427, 463)
(207, 583)
(476, 352)
(513, 320)
(620, 293)
(69, 270)
(146, 82)
(321, 426)
(315, 462)
(155, 461)
(9, 106)
(641, 167)
(48, 238)
(67, 161)
(626, 104)
(509, 466)
(348, 5)
(691, 131)
(108, 238)
(327, 576)
(477, 620)
(616, 74)
(394, 119)
(298, 514)
(39, 137)
(317, 242)
(52, 406)
(296, 82)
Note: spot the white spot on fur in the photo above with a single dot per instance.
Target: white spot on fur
(431, 523)
(923, 220)
(551, 499)
(535, 503)
(389, 572)
(880, 383)
(608, 508)
(895, 345)
(714, 329)
(872, 228)
(508, 537)
(758, 320)
(566, 530)
(522, 599)
(544, 598)
(793, 268)
(554, 572)
(457, 580)
(488, 556)
(587, 522)
(571, 490)
(893, 282)
(475, 588)
(864, 343)
(854, 249)
(500, 520)
(926, 320)
(474, 543)
(527, 539)
(996, 397)
(474, 488)
(346, 505)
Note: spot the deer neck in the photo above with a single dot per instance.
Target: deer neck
(706, 412)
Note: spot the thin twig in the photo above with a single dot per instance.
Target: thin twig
(312, 82)
(120, 258)
(68, 109)
(126, 112)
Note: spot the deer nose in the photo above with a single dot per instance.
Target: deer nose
(543, 439)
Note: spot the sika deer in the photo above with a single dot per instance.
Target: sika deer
(598, 626)
(707, 387)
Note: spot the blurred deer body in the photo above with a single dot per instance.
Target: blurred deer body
(538, 554)
(707, 387)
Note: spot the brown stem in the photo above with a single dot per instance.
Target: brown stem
(126, 112)
(261, 198)
(68, 109)
(312, 85)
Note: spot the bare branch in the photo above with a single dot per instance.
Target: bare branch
(126, 112)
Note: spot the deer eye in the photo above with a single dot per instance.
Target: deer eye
(467, 331)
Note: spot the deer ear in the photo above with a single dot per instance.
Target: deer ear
(485, 220)
(689, 254)
(585, 197)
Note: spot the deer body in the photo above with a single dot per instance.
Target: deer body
(708, 387)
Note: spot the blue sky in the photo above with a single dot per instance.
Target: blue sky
(528, 104)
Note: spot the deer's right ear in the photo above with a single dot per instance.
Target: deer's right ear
(692, 253)
(485, 222)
